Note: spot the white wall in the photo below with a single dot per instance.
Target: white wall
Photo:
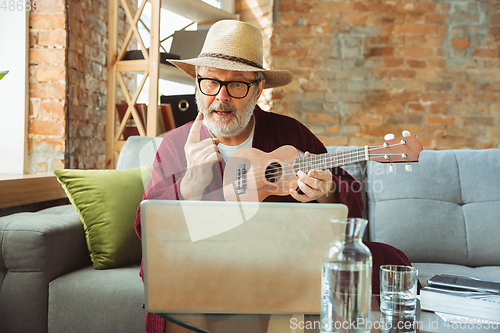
(13, 90)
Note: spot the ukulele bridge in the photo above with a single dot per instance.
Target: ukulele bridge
(240, 174)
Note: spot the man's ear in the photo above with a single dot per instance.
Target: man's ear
(261, 88)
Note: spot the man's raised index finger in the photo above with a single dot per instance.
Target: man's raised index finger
(194, 132)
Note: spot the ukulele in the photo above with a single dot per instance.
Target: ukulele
(253, 175)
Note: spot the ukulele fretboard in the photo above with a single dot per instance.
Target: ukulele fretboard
(331, 160)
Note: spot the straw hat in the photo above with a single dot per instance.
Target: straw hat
(235, 46)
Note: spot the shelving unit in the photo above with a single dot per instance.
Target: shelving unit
(195, 10)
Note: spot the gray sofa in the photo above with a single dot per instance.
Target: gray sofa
(445, 215)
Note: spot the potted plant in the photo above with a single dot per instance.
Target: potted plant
(3, 73)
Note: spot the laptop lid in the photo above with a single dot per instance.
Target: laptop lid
(188, 43)
(235, 257)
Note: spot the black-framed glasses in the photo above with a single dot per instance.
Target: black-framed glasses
(235, 89)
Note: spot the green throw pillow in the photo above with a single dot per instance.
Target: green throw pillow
(107, 201)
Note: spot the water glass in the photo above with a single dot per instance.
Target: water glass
(395, 324)
(398, 290)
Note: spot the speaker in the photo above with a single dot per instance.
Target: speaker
(183, 107)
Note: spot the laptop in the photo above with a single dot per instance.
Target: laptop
(188, 43)
(235, 257)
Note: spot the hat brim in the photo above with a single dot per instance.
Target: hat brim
(274, 78)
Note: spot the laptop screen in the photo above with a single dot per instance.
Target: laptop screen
(234, 257)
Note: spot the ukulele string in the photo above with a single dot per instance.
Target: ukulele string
(288, 166)
(344, 155)
(288, 169)
(328, 158)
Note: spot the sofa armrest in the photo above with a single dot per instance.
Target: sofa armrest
(36, 248)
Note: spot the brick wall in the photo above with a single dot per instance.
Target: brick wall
(68, 86)
(47, 85)
(366, 68)
(361, 69)
(87, 47)
(260, 14)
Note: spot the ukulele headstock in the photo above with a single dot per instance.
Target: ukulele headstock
(401, 150)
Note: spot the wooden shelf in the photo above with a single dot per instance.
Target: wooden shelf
(175, 74)
(197, 11)
(167, 72)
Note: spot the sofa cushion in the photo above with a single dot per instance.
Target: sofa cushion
(35, 248)
(107, 201)
(89, 300)
(445, 210)
(137, 151)
(480, 197)
(357, 170)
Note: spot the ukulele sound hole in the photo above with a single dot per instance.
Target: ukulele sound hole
(273, 172)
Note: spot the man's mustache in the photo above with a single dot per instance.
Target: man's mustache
(221, 107)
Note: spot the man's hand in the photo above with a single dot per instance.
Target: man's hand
(200, 157)
(315, 185)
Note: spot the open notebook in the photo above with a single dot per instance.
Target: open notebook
(234, 257)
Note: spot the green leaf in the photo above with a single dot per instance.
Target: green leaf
(3, 73)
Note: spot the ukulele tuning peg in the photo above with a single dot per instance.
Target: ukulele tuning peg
(406, 133)
(391, 168)
(389, 136)
(408, 167)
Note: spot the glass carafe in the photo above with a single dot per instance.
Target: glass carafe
(346, 279)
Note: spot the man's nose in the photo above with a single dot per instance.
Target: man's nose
(223, 95)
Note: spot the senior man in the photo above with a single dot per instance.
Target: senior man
(190, 161)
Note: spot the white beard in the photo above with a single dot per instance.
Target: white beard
(229, 127)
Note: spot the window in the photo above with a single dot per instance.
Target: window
(13, 91)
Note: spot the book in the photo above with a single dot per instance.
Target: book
(160, 122)
(463, 302)
(168, 116)
(131, 127)
(142, 109)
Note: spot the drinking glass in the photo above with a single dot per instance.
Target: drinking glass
(396, 324)
(398, 290)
